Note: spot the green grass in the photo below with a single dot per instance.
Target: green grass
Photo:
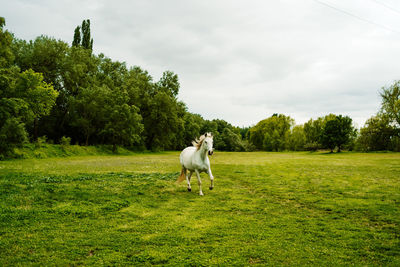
(43, 150)
(266, 208)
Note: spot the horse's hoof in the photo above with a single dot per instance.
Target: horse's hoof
(211, 188)
(189, 189)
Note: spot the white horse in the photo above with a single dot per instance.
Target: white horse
(195, 159)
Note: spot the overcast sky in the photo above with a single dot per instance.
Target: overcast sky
(241, 61)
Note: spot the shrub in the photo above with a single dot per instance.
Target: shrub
(12, 134)
(395, 144)
(311, 146)
(65, 141)
(41, 141)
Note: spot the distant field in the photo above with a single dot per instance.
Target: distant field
(266, 208)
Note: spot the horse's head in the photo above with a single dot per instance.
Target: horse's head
(208, 143)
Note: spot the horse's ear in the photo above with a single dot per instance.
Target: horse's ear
(206, 135)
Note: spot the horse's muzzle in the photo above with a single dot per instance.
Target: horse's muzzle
(210, 152)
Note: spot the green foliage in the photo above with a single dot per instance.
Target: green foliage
(193, 124)
(226, 136)
(41, 141)
(87, 110)
(82, 36)
(231, 140)
(162, 121)
(244, 132)
(24, 98)
(169, 83)
(6, 55)
(391, 103)
(313, 130)
(377, 134)
(337, 132)
(39, 95)
(45, 55)
(388, 122)
(296, 139)
(65, 141)
(87, 41)
(270, 134)
(12, 134)
(64, 149)
(123, 125)
(77, 36)
(395, 143)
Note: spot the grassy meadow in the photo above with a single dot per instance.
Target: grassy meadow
(266, 209)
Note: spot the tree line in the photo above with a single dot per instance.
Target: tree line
(49, 88)
(64, 93)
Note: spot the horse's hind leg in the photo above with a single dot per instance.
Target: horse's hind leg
(188, 180)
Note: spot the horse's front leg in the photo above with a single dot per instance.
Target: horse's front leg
(188, 180)
(211, 178)
(199, 181)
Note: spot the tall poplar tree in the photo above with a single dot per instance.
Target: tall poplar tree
(77, 36)
(82, 36)
(87, 42)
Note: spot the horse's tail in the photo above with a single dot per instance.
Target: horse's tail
(182, 176)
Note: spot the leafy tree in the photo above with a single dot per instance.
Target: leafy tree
(123, 125)
(12, 134)
(110, 73)
(87, 41)
(313, 130)
(296, 138)
(178, 142)
(82, 36)
(329, 134)
(193, 124)
(337, 132)
(163, 114)
(244, 132)
(391, 103)
(169, 83)
(377, 134)
(88, 110)
(226, 136)
(77, 36)
(6, 55)
(12, 109)
(270, 134)
(39, 95)
(162, 122)
(232, 140)
(45, 55)
(80, 70)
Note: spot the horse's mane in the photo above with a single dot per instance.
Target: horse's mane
(198, 142)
